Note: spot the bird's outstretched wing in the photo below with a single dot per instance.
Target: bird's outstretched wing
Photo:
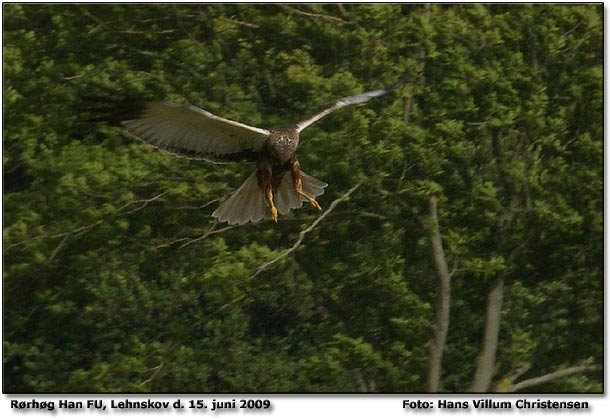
(341, 103)
(188, 131)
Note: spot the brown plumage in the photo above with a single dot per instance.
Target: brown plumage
(277, 185)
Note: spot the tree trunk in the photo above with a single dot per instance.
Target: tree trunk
(487, 358)
(442, 303)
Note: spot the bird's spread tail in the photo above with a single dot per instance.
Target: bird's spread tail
(247, 204)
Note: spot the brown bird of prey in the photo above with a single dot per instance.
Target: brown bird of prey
(277, 185)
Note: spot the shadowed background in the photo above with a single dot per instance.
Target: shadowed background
(116, 279)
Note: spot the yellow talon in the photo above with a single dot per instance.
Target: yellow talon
(315, 204)
(274, 214)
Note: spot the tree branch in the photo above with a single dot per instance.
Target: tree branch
(239, 22)
(145, 202)
(487, 357)
(211, 231)
(539, 380)
(86, 228)
(156, 371)
(443, 300)
(209, 203)
(315, 15)
(302, 234)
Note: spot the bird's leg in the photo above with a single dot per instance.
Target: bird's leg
(269, 201)
(295, 169)
(266, 185)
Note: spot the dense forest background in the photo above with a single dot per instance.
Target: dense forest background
(461, 243)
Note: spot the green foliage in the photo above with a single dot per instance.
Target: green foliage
(117, 280)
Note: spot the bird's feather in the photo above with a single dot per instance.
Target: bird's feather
(182, 130)
(191, 132)
(341, 103)
(247, 204)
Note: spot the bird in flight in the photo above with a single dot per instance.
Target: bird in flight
(276, 186)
